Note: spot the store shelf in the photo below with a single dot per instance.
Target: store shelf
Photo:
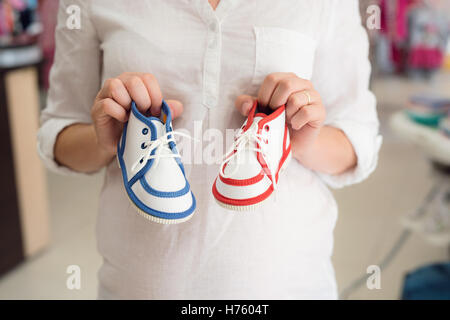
(15, 57)
(430, 140)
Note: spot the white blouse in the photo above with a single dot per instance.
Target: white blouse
(205, 59)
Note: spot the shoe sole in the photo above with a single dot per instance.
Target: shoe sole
(252, 207)
(157, 219)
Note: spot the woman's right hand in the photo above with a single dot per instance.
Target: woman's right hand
(113, 102)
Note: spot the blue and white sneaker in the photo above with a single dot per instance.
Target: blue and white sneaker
(152, 171)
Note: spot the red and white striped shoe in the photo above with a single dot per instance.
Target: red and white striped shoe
(249, 174)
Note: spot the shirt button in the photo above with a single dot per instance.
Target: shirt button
(213, 43)
(213, 26)
(210, 101)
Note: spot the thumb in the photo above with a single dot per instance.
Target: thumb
(244, 103)
(176, 107)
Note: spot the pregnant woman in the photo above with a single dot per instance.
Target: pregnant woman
(210, 60)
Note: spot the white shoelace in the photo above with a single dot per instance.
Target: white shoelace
(159, 145)
(245, 141)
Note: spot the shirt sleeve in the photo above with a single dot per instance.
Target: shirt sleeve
(341, 76)
(74, 78)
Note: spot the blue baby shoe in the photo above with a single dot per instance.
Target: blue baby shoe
(153, 175)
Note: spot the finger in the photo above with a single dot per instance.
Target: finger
(154, 91)
(176, 107)
(268, 86)
(113, 109)
(298, 100)
(138, 92)
(310, 114)
(115, 89)
(244, 104)
(285, 87)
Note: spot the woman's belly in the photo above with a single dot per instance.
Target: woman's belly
(280, 251)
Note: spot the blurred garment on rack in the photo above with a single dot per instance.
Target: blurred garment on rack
(412, 38)
(393, 34)
(428, 283)
(428, 38)
(48, 10)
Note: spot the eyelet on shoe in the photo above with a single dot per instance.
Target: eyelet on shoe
(267, 128)
(143, 146)
(145, 131)
(142, 160)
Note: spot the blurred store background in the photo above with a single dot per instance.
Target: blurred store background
(398, 220)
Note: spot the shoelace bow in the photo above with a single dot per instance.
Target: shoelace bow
(245, 141)
(159, 145)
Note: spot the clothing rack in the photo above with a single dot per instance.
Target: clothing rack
(413, 37)
(19, 22)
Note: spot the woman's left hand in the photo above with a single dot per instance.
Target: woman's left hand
(305, 112)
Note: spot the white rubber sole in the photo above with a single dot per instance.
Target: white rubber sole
(253, 207)
(157, 219)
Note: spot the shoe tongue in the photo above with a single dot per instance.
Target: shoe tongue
(254, 124)
(255, 116)
(257, 119)
(249, 165)
(160, 131)
(160, 127)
